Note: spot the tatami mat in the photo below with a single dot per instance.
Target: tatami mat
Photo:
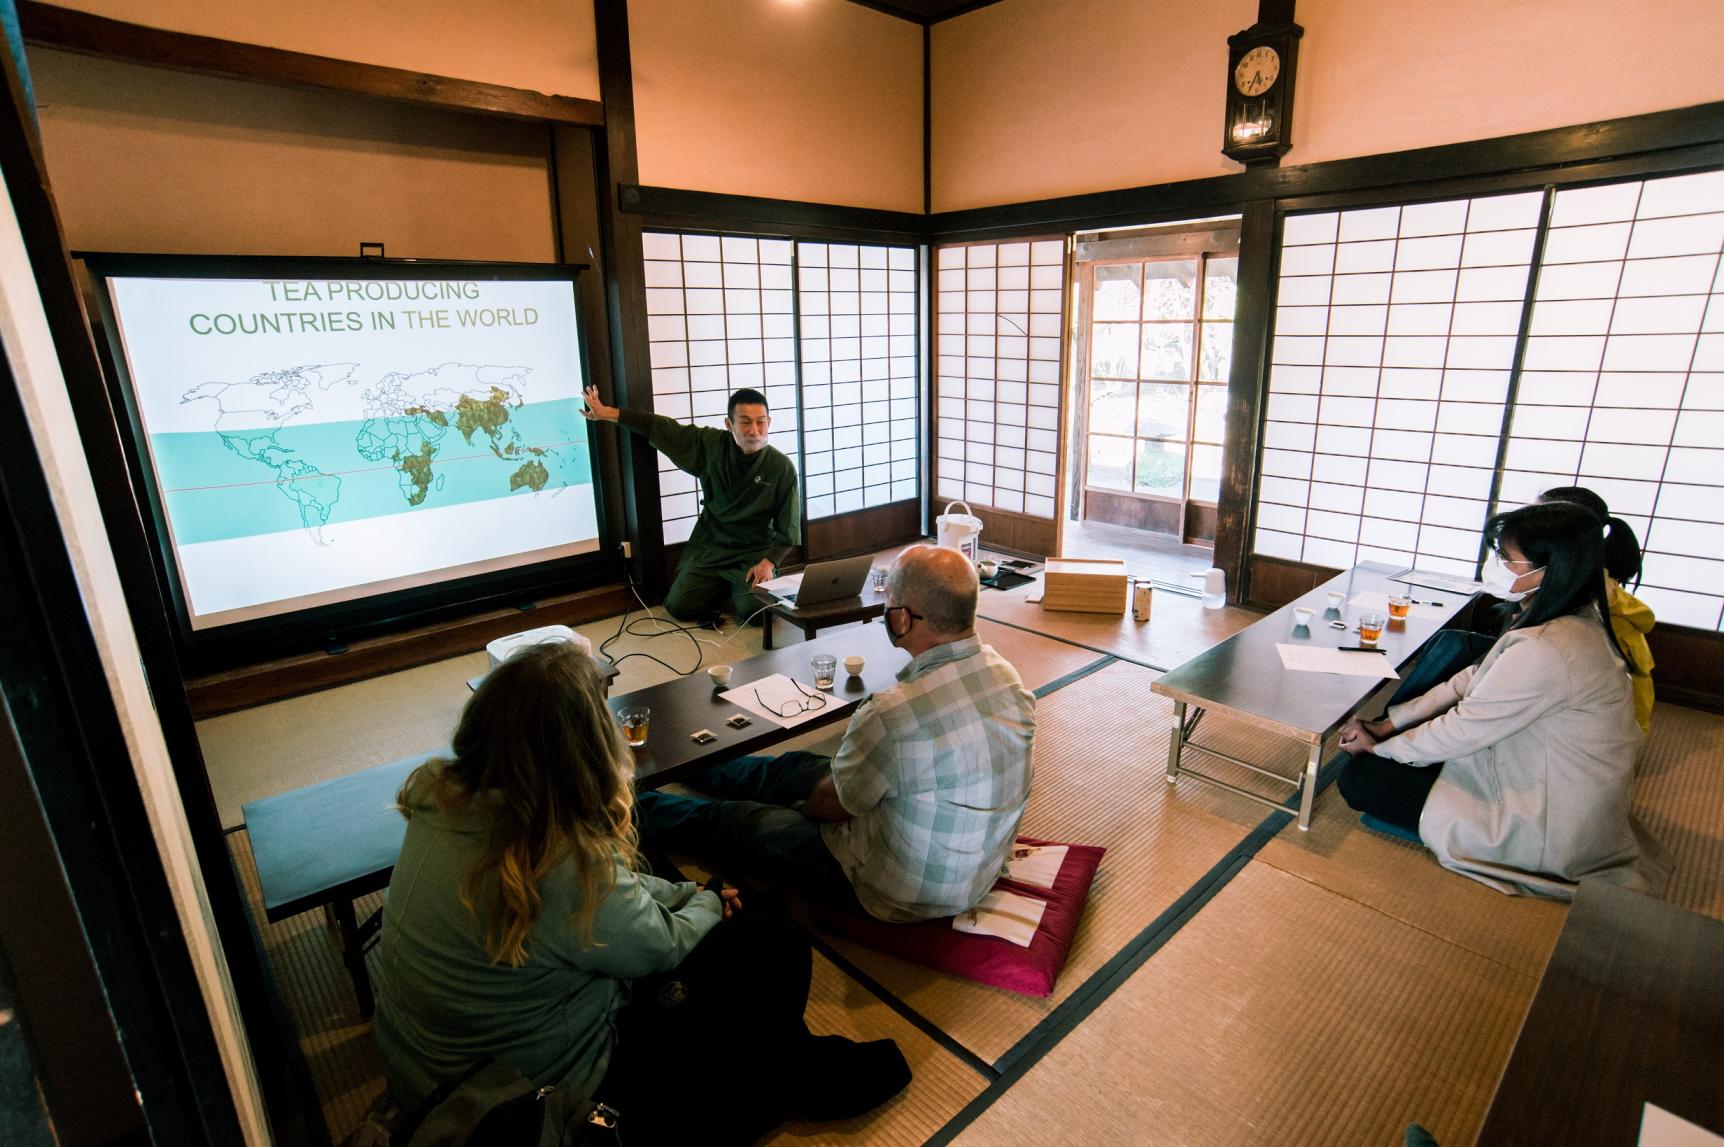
(940, 1086)
(1281, 1014)
(304, 955)
(1100, 778)
(1178, 629)
(1679, 794)
(1038, 660)
(1403, 880)
(288, 744)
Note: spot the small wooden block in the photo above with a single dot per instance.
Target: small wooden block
(1085, 585)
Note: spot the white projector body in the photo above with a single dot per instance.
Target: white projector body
(500, 649)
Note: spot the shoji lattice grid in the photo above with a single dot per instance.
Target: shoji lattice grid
(998, 389)
(859, 374)
(1395, 332)
(720, 316)
(1622, 388)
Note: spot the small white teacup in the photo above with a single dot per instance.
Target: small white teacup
(988, 568)
(1336, 600)
(720, 675)
(1302, 615)
(853, 664)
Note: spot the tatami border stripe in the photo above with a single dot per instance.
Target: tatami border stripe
(1074, 644)
(1075, 675)
(916, 1019)
(1045, 1036)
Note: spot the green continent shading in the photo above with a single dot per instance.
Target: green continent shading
(314, 492)
(532, 475)
(409, 422)
(490, 415)
(410, 442)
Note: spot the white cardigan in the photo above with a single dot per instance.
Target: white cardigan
(1537, 745)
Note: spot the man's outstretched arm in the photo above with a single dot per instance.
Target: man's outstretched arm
(679, 442)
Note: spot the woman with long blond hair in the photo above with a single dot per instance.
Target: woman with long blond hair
(519, 926)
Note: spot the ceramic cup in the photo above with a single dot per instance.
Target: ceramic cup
(1302, 616)
(720, 675)
(988, 568)
(1336, 600)
(853, 664)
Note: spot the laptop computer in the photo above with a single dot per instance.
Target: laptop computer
(826, 582)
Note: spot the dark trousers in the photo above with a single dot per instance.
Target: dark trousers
(698, 594)
(1389, 790)
(676, 1076)
(750, 831)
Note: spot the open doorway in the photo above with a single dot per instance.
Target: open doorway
(1152, 346)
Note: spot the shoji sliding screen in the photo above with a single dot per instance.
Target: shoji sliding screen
(720, 317)
(1425, 372)
(859, 368)
(1394, 340)
(1623, 385)
(998, 310)
(827, 331)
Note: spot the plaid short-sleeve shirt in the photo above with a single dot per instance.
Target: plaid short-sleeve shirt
(935, 773)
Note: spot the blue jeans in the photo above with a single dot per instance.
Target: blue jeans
(750, 830)
(1388, 790)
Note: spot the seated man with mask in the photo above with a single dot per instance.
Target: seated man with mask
(750, 514)
(915, 815)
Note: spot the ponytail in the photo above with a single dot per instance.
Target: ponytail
(1621, 552)
(1621, 547)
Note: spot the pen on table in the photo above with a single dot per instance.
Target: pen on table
(1360, 649)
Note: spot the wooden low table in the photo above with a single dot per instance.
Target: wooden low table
(865, 606)
(1244, 679)
(686, 704)
(328, 844)
(1629, 1012)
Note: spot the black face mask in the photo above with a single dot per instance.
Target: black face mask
(893, 636)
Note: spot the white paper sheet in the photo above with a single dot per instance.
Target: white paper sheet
(781, 586)
(1374, 601)
(771, 696)
(1003, 914)
(1659, 1128)
(1036, 864)
(1445, 583)
(1326, 659)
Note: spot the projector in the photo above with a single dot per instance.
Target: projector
(499, 650)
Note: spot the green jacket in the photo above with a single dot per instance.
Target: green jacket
(443, 1006)
(751, 509)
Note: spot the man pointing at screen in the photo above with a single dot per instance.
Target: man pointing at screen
(750, 513)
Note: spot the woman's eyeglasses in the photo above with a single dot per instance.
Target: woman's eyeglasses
(811, 700)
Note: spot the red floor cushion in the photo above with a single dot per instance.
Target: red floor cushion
(990, 960)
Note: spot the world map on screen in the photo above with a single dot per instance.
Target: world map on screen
(442, 435)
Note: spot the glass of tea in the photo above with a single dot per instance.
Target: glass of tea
(1399, 605)
(635, 720)
(825, 668)
(1370, 628)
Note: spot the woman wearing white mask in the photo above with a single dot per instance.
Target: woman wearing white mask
(1519, 771)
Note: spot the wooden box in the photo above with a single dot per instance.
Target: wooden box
(1085, 585)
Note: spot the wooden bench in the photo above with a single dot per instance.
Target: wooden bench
(328, 844)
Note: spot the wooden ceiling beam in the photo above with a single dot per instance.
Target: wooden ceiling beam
(66, 30)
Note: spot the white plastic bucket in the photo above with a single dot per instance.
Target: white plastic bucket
(959, 532)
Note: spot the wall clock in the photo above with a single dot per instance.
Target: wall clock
(1259, 119)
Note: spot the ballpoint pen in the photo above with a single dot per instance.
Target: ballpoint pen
(1360, 649)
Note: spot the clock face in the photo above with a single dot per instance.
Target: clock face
(1257, 71)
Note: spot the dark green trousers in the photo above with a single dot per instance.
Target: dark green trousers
(697, 594)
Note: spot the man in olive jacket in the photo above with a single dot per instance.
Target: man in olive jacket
(750, 513)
